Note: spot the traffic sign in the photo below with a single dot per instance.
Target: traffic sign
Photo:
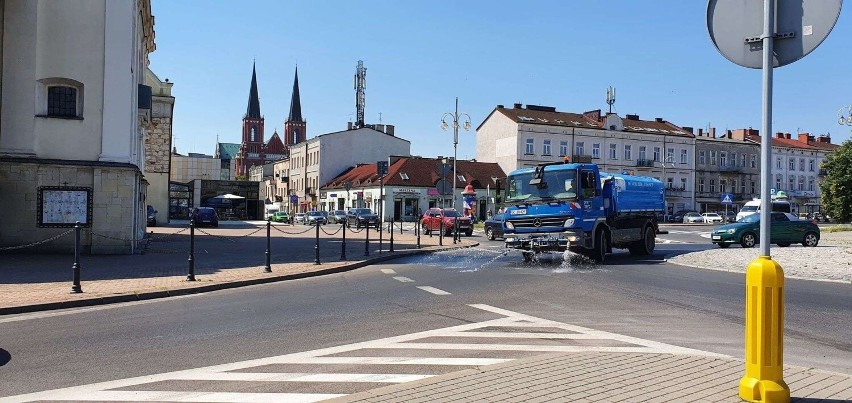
(381, 168)
(444, 187)
(347, 185)
(772, 191)
(727, 198)
(294, 199)
(445, 169)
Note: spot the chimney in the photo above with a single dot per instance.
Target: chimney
(700, 132)
(500, 106)
(825, 139)
(729, 135)
(787, 136)
(688, 129)
(740, 134)
(349, 126)
(594, 115)
(659, 120)
(632, 117)
(519, 106)
(712, 132)
(389, 129)
(803, 138)
(779, 135)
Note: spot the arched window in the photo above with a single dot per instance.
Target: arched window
(253, 134)
(60, 98)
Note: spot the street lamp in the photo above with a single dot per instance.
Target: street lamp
(845, 120)
(455, 116)
(668, 162)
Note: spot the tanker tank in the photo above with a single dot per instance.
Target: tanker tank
(636, 193)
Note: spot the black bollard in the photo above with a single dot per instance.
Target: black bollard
(417, 231)
(367, 243)
(268, 268)
(441, 233)
(343, 245)
(391, 233)
(75, 286)
(455, 229)
(381, 235)
(191, 275)
(316, 245)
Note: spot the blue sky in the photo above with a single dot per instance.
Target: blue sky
(420, 55)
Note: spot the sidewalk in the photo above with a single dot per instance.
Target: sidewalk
(605, 377)
(232, 255)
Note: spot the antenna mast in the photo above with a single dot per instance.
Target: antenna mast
(360, 97)
(610, 97)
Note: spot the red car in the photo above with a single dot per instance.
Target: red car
(434, 216)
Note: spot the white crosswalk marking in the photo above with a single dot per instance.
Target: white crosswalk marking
(433, 290)
(388, 271)
(403, 279)
(417, 351)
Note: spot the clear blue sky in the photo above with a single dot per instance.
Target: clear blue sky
(420, 55)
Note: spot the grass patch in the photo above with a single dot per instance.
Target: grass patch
(479, 226)
(837, 228)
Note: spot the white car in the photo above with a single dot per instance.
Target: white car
(710, 218)
(692, 217)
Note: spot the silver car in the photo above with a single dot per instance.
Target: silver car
(315, 217)
(299, 218)
(337, 216)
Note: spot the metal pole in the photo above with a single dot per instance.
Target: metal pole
(391, 235)
(316, 244)
(766, 140)
(343, 245)
(367, 242)
(75, 286)
(455, 175)
(268, 268)
(417, 229)
(381, 211)
(441, 233)
(191, 275)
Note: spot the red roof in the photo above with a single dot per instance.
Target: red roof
(795, 143)
(421, 172)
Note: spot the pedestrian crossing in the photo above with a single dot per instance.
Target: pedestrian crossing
(327, 373)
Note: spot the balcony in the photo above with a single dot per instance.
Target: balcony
(675, 190)
(581, 159)
(823, 172)
(730, 169)
(644, 163)
(311, 191)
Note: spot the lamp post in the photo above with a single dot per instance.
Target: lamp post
(455, 122)
(668, 162)
(847, 119)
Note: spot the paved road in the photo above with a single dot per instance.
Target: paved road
(627, 303)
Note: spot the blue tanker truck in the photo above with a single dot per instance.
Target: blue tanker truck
(559, 206)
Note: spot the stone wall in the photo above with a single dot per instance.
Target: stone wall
(157, 143)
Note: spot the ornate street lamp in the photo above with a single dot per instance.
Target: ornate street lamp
(455, 122)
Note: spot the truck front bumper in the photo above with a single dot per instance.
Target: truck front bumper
(548, 242)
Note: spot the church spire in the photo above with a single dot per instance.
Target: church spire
(253, 109)
(295, 102)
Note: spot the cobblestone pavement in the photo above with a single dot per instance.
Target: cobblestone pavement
(830, 261)
(233, 254)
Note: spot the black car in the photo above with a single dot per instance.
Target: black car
(205, 216)
(494, 226)
(152, 216)
(362, 217)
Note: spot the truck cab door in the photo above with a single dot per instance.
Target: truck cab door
(590, 194)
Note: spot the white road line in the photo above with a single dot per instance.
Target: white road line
(433, 290)
(403, 279)
(394, 360)
(137, 396)
(298, 377)
(517, 335)
(518, 347)
(388, 271)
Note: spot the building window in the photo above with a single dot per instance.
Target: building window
(628, 150)
(684, 156)
(734, 159)
(596, 150)
(613, 151)
(734, 185)
(754, 162)
(530, 147)
(792, 182)
(777, 182)
(61, 101)
(712, 186)
(752, 187)
(811, 185)
(701, 185)
(253, 134)
(683, 183)
(802, 182)
(702, 157)
(723, 185)
(743, 160)
(545, 149)
(579, 148)
(811, 165)
(670, 155)
(657, 154)
(563, 148)
(723, 160)
(642, 152)
(777, 162)
(792, 164)
(713, 160)
(802, 164)
(742, 186)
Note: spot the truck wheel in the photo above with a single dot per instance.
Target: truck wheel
(528, 256)
(598, 253)
(644, 246)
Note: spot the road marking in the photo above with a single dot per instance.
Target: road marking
(480, 354)
(403, 279)
(388, 271)
(433, 290)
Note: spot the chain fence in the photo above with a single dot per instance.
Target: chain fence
(292, 233)
(230, 238)
(30, 245)
(331, 233)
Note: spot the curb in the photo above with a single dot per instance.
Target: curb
(148, 295)
(824, 280)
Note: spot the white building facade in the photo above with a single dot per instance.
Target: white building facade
(521, 137)
(73, 113)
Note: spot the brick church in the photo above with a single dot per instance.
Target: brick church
(253, 151)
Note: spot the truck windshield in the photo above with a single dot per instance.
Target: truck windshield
(555, 185)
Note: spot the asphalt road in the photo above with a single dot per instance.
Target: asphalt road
(643, 298)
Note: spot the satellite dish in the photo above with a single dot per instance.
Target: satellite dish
(735, 27)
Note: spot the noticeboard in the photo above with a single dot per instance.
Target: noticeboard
(64, 206)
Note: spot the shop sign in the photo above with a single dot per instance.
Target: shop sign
(333, 195)
(322, 195)
(407, 190)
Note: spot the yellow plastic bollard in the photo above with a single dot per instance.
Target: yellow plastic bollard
(764, 333)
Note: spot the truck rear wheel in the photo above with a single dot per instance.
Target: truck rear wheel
(598, 252)
(644, 246)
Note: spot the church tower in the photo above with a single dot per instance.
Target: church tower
(295, 128)
(251, 148)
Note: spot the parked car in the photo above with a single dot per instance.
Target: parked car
(785, 231)
(337, 216)
(362, 217)
(152, 216)
(282, 216)
(434, 217)
(678, 216)
(299, 218)
(205, 216)
(710, 218)
(315, 217)
(692, 217)
(494, 226)
(730, 216)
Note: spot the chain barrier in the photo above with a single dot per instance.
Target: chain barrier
(230, 238)
(29, 245)
(144, 237)
(161, 237)
(331, 233)
(292, 233)
(356, 231)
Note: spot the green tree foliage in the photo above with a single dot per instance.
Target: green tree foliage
(836, 186)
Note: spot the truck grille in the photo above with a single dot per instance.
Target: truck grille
(538, 222)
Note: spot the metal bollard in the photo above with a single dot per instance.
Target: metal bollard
(343, 245)
(764, 333)
(75, 286)
(191, 275)
(455, 230)
(367, 243)
(441, 233)
(381, 235)
(417, 232)
(316, 245)
(391, 233)
(268, 268)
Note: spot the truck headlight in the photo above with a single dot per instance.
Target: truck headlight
(569, 223)
(509, 225)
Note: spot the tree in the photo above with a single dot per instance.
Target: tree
(836, 187)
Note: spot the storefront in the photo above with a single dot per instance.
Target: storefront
(406, 203)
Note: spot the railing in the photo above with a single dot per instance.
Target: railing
(645, 163)
(730, 169)
(823, 172)
(581, 158)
